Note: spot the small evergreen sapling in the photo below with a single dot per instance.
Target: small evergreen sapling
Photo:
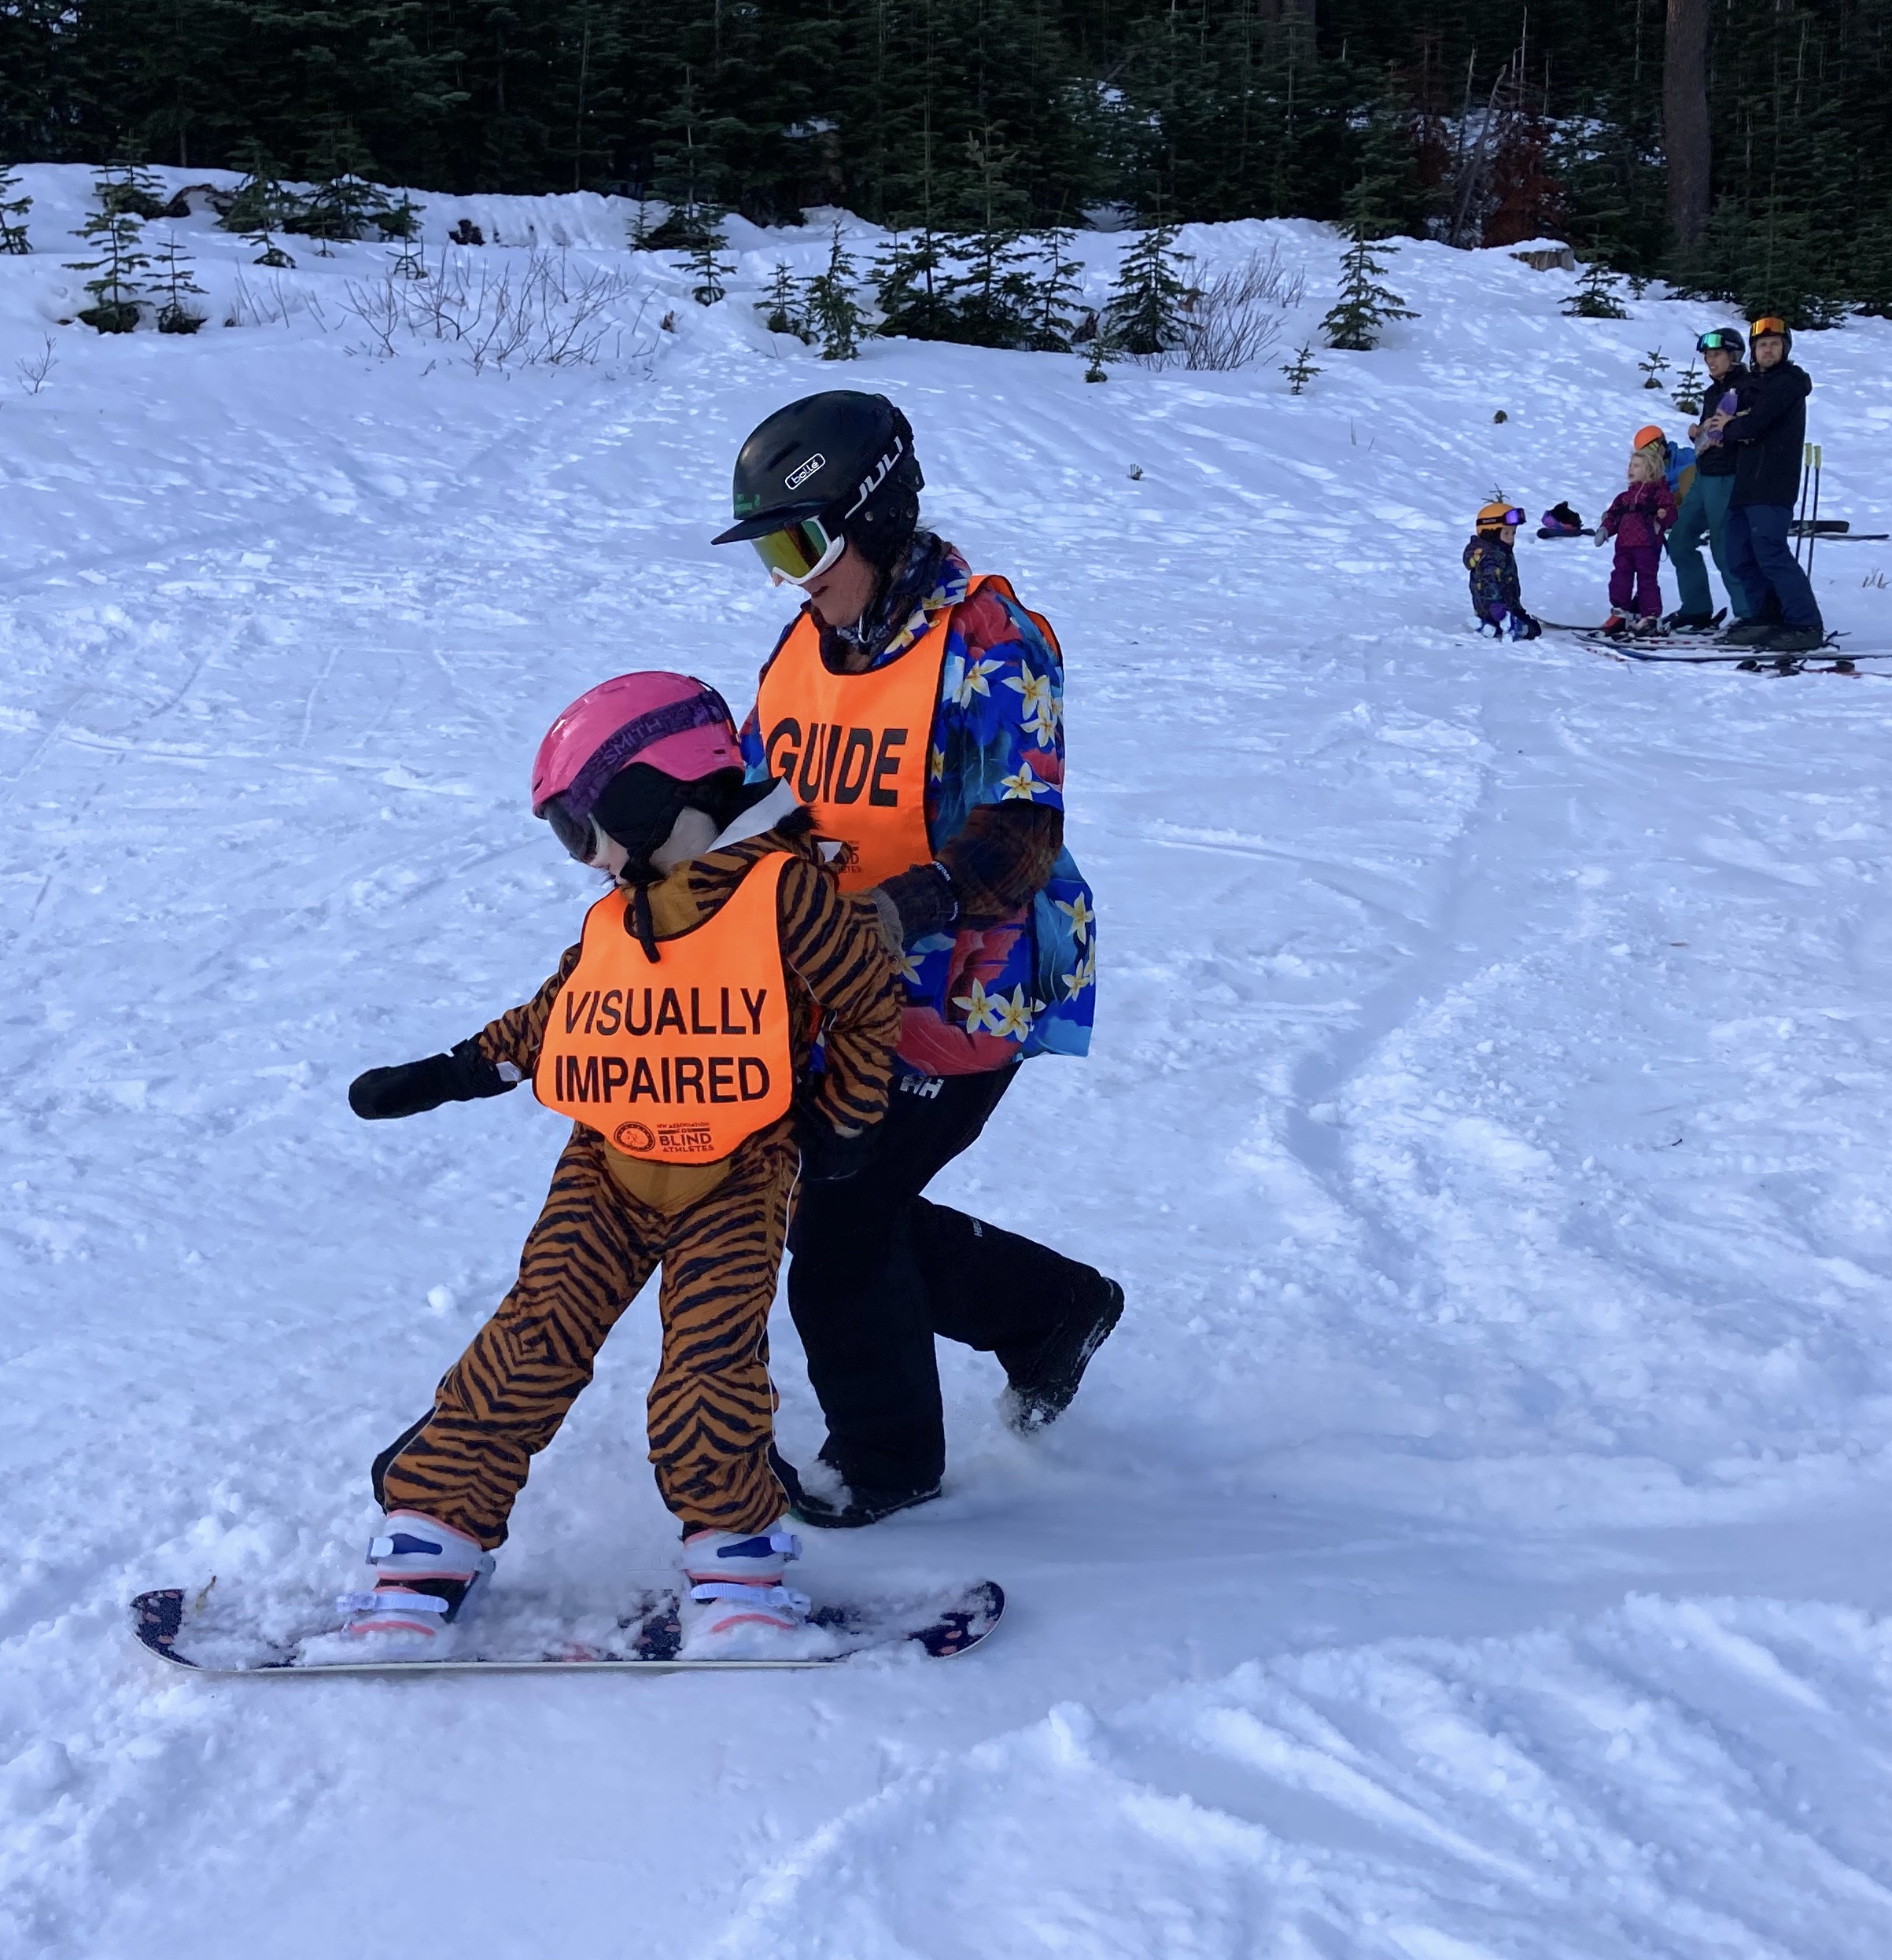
(781, 307)
(833, 314)
(1356, 320)
(409, 262)
(1143, 317)
(1597, 296)
(1301, 370)
(910, 285)
(1654, 366)
(1688, 391)
(13, 214)
(175, 313)
(118, 232)
(261, 208)
(1054, 294)
(701, 226)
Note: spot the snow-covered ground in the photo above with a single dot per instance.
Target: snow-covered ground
(1474, 1542)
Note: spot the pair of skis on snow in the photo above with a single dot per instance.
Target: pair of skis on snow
(1826, 659)
(214, 1633)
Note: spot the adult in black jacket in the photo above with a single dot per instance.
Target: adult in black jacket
(1768, 433)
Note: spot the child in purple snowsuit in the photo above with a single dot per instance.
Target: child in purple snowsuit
(1638, 519)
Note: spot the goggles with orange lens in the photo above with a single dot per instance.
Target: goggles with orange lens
(798, 552)
(1770, 325)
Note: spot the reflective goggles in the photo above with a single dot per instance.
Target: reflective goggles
(798, 552)
(1511, 517)
(1770, 325)
(578, 834)
(1721, 340)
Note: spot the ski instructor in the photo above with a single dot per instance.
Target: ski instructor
(916, 709)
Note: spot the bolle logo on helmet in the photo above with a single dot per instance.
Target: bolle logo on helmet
(633, 1137)
(803, 471)
(877, 476)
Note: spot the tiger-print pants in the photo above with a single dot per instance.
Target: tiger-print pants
(712, 1406)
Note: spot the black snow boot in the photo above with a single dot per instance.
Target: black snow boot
(1041, 1387)
(853, 1506)
(1690, 622)
(1750, 632)
(1792, 639)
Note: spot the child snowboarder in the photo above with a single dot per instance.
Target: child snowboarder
(678, 1034)
(1491, 558)
(1638, 519)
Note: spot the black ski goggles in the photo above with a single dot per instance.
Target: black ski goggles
(579, 834)
(798, 552)
(1721, 340)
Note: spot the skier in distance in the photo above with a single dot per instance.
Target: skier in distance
(917, 710)
(678, 1034)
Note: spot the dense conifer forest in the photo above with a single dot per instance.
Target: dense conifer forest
(1763, 177)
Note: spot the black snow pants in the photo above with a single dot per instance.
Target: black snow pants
(877, 1271)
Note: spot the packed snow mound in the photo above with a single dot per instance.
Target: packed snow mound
(1677, 1780)
(1486, 1119)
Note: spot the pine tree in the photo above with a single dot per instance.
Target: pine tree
(706, 238)
(1597, 295)
(1301, 370)
(1654, 366)
(1688, 390)
(345, 200)
(1054, 294)
(175, 313)
(1357, 319)
(1143, 317)
(833, 314)
(119, 232)
(12, 214)
(781, 306)
(262, 207)
(910, 285)
(988, 302)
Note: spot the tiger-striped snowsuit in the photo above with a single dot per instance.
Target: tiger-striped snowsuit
(717, 1230)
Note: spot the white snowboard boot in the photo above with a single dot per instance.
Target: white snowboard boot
(737, 1607)
(424, 1572)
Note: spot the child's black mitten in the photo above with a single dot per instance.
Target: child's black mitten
(827, 1155)
(462, 1075)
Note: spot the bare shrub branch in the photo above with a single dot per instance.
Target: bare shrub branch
(33, 371)
(542, 311)
(1237, 318)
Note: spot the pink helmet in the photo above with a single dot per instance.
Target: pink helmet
(670, 721)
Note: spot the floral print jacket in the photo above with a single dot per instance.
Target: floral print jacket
(1025, 984)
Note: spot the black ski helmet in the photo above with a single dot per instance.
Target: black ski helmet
(842, 456)
(1771, 323)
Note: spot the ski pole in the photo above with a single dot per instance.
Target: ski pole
(1812, 536)
(1806, 471)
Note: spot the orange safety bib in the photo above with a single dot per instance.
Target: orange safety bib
(854, 745)
(677, 1063)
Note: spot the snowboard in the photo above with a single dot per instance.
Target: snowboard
(216, 1634)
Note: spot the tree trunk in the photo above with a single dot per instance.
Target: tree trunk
(1685, 136)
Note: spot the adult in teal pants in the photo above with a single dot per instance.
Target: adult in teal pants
(1704, 511)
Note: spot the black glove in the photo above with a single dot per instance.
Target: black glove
(828, 1157)
(462, 1075)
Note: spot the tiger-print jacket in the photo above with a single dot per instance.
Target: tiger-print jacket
(835, 959)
